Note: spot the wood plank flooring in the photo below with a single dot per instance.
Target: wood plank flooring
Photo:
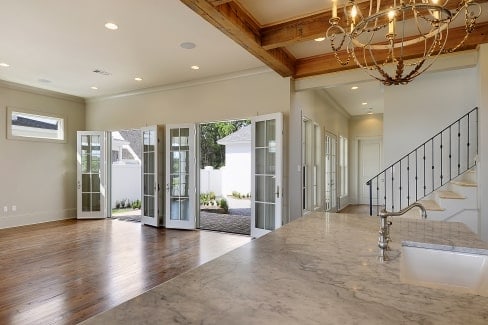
(67, 271)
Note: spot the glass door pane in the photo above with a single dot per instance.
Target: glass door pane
(91, 175)
(151, 175)
(266, 206)
(330, 173)
(181, 209)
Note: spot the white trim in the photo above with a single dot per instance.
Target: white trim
(39, 91)
(185, 84)
(18, 220)
(9, 126)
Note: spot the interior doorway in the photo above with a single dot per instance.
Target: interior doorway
(370, 158)
(225, 176)
(126, 186)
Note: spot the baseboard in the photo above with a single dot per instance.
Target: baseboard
(35, 218)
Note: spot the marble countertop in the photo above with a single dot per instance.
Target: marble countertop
(319, 269)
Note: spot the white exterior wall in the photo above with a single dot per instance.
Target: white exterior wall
(211, 180)
(236, 175)
(126, 182)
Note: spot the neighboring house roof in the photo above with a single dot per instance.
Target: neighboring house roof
(23, 121)
(135, 139)
(243, 135)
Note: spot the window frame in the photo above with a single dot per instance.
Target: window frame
(61, 117)
(343, 165)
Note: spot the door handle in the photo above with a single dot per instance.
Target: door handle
(79, 184)
(277, 192)
(167, 187)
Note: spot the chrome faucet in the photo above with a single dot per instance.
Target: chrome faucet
(385, 224)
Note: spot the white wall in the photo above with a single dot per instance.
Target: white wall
(417, 111)
(360, 128)
(38, 177)
(316, 106)
(236, 175)
(482, 95)
(126, 182)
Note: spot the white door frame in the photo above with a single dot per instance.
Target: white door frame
(174, 193)
(333, 193)
(102, 212)
(275, 173)
(157, 187)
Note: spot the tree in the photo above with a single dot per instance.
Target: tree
(212, 153)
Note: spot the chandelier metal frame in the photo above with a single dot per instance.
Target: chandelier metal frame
(381, 42)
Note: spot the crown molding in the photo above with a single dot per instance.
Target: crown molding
(186, 84)
(39, 91)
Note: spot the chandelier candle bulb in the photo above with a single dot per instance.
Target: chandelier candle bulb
(391, 24)
(334, 8)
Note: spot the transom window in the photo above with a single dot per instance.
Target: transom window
(23, 124)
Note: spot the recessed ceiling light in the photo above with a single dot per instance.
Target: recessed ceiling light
(138, 79)
(5, 65)
(187, 45)
(354, 87)
(370, 113)
(94, 88)
(195, 67)
(364, 103)
(319, 39)
(111, 26)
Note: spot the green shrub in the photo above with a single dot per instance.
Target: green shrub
(136, 204)
(223, 205)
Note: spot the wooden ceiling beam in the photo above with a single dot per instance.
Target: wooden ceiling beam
(313, 26)
(218, 2)
(229, 18)
(327, 63)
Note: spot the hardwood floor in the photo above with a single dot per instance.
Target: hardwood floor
(67, 271)
(356, 209)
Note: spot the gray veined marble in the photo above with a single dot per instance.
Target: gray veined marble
(319, 269)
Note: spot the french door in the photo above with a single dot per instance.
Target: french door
(152, 176)
(180, 176)
(330, 173)
(266, 170)
(92, 190)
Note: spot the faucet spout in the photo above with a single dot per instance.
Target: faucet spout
(384, 237)
(384, 214)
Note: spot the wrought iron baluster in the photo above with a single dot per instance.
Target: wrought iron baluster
(467, 147)
(400, 187)
(459, 147)
(424, 170)
(433, 186)
(408, 179)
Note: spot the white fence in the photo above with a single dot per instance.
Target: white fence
(211, 180)
(126, 182)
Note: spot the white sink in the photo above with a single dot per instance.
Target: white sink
(447, 267)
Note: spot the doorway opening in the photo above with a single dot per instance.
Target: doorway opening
(225, 176)
(126, 174)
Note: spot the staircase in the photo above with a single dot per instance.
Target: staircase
(456, 201)
(440, 174)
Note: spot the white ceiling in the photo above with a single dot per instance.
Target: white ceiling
(64, 41)
(369, 92)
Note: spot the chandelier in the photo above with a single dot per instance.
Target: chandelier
(385, 39)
